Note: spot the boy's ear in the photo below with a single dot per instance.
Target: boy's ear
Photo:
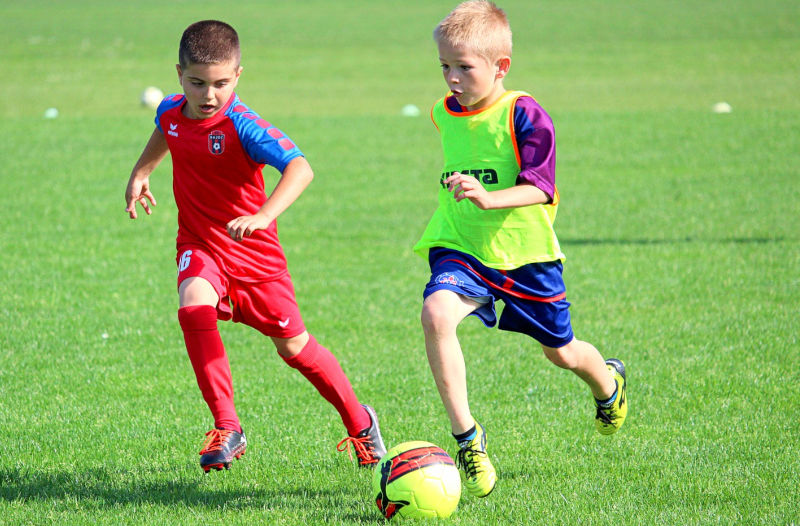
(180, 72)
(503, 64)
(238, 72)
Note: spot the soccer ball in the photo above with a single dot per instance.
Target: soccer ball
(417, 480)
(151, 97)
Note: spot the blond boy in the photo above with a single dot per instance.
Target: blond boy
(491, 237)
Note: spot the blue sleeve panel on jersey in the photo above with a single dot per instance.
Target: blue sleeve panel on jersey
(262, 141)
(169, 102)
(523, 125)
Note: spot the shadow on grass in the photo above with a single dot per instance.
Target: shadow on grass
(725, 241)
(111, 489)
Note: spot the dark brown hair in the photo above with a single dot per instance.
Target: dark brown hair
(209, 42)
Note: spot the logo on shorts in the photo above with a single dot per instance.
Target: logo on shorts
(284, 323)
(448, 279)
(216, 142)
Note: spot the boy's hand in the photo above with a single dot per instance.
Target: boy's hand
(468, 187)
(139, 190)
(246, 225)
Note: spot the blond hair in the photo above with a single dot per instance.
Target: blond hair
(479, 26)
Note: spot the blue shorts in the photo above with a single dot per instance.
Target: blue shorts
(534, 294)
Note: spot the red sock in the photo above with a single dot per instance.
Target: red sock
(322, 369)
(210, 363)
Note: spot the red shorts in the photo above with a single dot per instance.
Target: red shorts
(267, 306)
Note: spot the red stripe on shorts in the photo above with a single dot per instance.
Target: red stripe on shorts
(506, 287)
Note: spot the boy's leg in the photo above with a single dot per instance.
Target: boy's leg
(536, 305)
(442, 312)
(583, 359)
(320, 367)
(198, 313)
(606, 379)
(198, 318)
(271, 308)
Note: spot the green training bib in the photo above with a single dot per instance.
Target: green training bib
(482, 144)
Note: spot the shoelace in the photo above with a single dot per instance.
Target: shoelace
(363, 446)
(214, 440)
(606, 414)
(466, 458)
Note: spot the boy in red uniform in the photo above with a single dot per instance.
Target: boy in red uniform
(230, 262)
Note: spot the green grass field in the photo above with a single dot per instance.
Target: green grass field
(681, 227)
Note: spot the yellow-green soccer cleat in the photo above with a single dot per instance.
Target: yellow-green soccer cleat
(609, 419)
(478, 470)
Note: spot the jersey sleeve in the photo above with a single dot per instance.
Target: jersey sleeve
(536, 143)
(169, 102)
(262, 141)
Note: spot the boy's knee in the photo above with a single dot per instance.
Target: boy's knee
(428, 318)
(197, 291)
(291, 347)
(434, 318)
(563, 357)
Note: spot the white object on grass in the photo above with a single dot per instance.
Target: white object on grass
(721, 107)
(409, 110)
(151, 97)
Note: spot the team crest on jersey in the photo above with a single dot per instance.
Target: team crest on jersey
(216, 142)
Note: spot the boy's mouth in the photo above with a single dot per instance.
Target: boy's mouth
(207, 108)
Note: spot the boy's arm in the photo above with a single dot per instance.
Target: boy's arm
(468, 187)
(536, 181)
(139, 182)
(295, 178)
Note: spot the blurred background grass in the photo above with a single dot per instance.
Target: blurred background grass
(321, 58)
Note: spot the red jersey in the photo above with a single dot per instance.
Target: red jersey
(216, 177)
